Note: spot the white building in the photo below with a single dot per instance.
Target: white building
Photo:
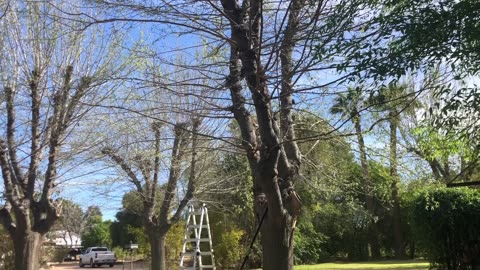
(65, 239)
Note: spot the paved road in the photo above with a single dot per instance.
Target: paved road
(70, 266)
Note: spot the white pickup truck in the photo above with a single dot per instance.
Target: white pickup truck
(96, 256)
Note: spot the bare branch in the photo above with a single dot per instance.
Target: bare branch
(125, 167)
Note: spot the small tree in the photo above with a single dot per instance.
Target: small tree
(98, 234)
(157, 222)
(73, 220)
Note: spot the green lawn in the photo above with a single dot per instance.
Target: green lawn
(379, 265)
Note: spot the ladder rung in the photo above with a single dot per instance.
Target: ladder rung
(187, 268)
(207, 266)
(192, 253)
(192, 226)
(201, 240)
(196, 213)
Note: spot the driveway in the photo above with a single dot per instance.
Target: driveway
(127, 266)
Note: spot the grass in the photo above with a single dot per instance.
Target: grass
(379, 265)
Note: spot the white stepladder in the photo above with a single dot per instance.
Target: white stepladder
(195, 235)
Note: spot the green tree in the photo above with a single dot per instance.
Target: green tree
(349, 106)
(397, 38)
(394, 100)
(452, 157)
(231, 217)
(98, 234)
(127, 219)
(74, 220)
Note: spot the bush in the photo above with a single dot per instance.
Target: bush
(445, 223)
(6, 251)
(309, 245)
(174, 243)
(229, 250)
(53, 254)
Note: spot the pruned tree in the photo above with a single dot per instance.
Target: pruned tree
(265, 49)
(144, 172)
(47, 72)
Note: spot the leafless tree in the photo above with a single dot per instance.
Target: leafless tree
(47, 71)
(155, 141)
(266, 49)
(144, 172)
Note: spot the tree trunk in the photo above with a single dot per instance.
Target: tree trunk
(157, 242)
(273, 182)
(397, 225)
(412, 250)
(369, 203)
(374, 242)
(277, 245)
(27, 250)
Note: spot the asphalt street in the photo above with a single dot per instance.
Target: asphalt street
(127, 266)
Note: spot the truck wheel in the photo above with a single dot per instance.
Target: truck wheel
(92, 265)
(80, 263)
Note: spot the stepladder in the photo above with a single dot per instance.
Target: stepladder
(197, 251)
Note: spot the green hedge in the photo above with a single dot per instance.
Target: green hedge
(446, 223)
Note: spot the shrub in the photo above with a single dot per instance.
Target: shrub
(445, 223)
(6, 251)
(174, 243)
(309, 245)
(229, 250)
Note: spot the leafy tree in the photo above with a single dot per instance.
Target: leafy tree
(418, 34)
(394, 100)
(450, 158)
(397, 38)
(231, 217)
(349, 107)
(126, 220)
(98, 234)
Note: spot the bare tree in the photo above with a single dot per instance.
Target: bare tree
(146, 181)
(267, 50)
(47, 72)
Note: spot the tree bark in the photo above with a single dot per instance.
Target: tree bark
(157, 242)
(27, 249)
(277, 249)
(397, 225)
(369, 203)
(274, 159)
